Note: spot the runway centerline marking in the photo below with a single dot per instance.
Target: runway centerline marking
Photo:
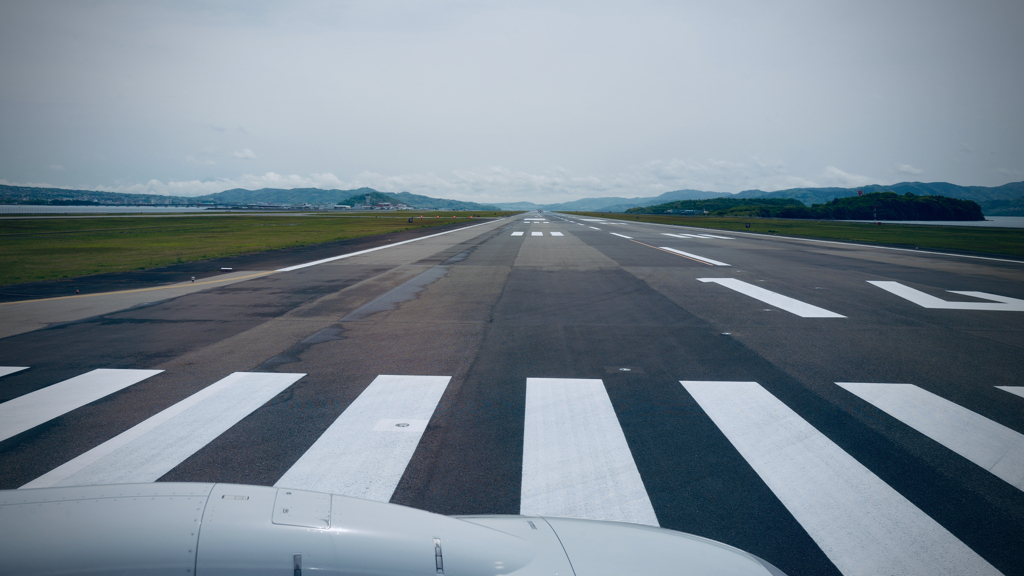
(1002, 303)
(792, 305)
(32, 409)
(861, 523)
(155, 446)
(988, 444)
(576, 462)
(366, 450)
(674, 253)
(694, 256)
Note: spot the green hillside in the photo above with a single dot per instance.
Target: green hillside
(875, 205)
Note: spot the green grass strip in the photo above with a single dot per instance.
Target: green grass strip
(33, 249)
(974, 239)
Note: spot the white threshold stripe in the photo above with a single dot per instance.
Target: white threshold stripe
(694, 256)
(367, 251)
(366, 450)
(5, 370)
(155, 446)
(988, 444)
(1002, 303)
(801, 309)
(1018, 390)
(35, 408)
(576, 462)
(621, 236)
(556, 234)
(517, 233)
(861, 523)
(536, 233)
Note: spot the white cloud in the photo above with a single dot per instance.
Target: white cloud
(908, 169)
(245, 154)
(835, 177)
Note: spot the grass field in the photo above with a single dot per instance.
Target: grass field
(34, 249)
(995, 241)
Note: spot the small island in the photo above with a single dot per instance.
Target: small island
(873, 206)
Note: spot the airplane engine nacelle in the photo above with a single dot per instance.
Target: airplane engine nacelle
(188, 529)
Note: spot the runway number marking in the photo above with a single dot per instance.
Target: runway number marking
(988, 444)
(35, 408)
(576, 462)
(861, 523)
(366, 450)
(792, 305)
(155, 446)
(1002, 303)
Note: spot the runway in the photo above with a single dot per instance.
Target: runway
(829, 407)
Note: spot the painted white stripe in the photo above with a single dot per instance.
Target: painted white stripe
(678, 235)
(801, 309)
(1002, 303)
(367, 251)
(861, 523)
(701, 258)
(1018, 390)
(595, 227)
(556, 234)
(154, 447)
(33, 409)
(5, 370)
(576, 462)
(517, 233)
(621, 235)
(536, 233)
(713, 236)
(366, 450)
(988, 444)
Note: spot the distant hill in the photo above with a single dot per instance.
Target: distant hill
(318, 196)
(61, 197)
(980, 194)
(880, 205)
(615, 204)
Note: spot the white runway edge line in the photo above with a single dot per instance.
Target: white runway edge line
(576, 462)
(621, 236)
(1002, 303)
(517, 233)
(37, 407)
(367, 251)
(155, 446)
(694, 256)
(5, 370)
(801, 309)
(366, 450)
(1018, 390)
(988, 444)
(861, 523)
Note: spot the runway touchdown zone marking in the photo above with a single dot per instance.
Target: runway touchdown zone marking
(1002, 303)
(576, 462)
(988, 444)
(791, 305)
(366, 450)
(861, 523)
(154, 447)
(33, 409)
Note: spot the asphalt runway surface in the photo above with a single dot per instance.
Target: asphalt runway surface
(831, 408)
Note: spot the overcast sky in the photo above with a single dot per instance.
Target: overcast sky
(506, 101)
